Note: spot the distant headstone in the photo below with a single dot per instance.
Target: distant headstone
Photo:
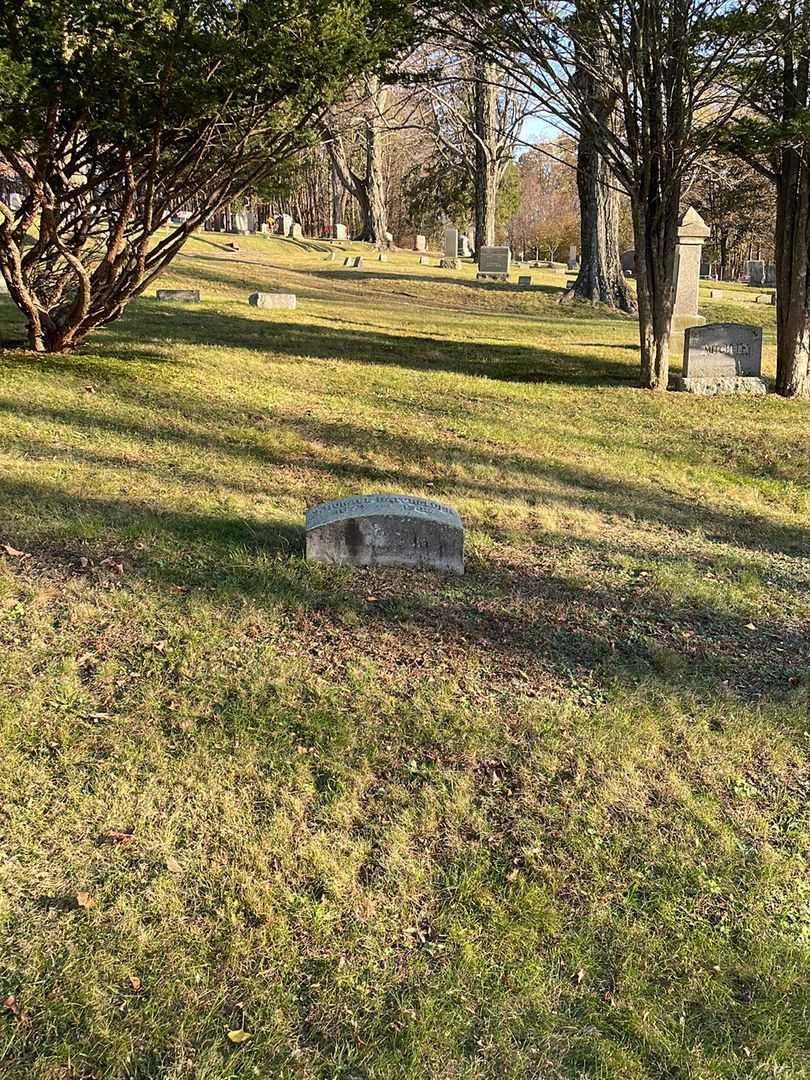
(716, 294)
(525, 281)
(186, 296)
(240, 224)
(264, 229)
(340, 232)
(296, 232)
(449, 263)
(420, 243)
(629, 263)
(424, 260)
(755, 271)
(382, 257)
(722, 358)
(451, 242)
(764, 298)
(389, 238)
(354, 262)
(234, 246)
(464, 247)
(573, 261)
(494, 262)
(283, 224)
(770, 274)
(272, 300)
(386, 530)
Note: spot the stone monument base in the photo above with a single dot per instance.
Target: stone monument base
(449, 264)
(714, 386)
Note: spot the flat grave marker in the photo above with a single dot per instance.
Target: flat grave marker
(277, 301)
(185, 296)
(386, 530)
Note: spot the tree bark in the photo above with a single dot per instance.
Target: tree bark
(485, 126)
(600, 278)
(792, 268)
(655, 230)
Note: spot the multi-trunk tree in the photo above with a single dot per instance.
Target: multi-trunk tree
(114, 117)
(662, 62)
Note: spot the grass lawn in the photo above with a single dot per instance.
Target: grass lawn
(548, 820)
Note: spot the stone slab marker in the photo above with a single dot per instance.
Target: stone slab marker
(386, 530)
(187, 296)
(755, 270)
(277, 300)
(722, 358)
(296, 232)
(525, 281)
(354, 262)
(420, 243)
(494, 262)
(340, 232)
(451, 242)
(692, 233)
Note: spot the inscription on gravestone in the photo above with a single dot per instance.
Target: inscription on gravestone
(722, 350)
(386, 530)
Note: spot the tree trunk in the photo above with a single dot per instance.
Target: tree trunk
(485, 126)
(792, 268)
(655, 231)
(600, 278)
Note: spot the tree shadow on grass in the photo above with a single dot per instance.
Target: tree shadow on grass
(516, 615)
(510, 363)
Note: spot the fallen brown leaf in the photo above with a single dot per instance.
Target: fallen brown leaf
(135, 983)
(85, 900)
(15, 553)
(173, 866)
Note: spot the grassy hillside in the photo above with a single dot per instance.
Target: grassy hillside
(547, 820)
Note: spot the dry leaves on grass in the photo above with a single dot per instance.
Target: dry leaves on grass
(15, 553)
(85, 900)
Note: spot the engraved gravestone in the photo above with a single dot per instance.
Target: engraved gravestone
(494, 262)
(722, 358)
(450, 242)
(386, 530)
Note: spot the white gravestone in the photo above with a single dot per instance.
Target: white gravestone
(494, 262)
(340, 232)
(386, 530)
(272, 300)
(722, 358)
(420, 243)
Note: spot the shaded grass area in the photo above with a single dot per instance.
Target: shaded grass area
(545, 820)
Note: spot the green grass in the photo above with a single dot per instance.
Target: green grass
(548, 820)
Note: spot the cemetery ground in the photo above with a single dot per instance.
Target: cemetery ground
(548, 819)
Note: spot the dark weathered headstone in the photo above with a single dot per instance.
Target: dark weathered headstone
(386, 530)
(494, 262)
(722, 358)
(187, 296)
(629, 262)
(272, 300)
(525, 281)
(450, 242)
(354, 262)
